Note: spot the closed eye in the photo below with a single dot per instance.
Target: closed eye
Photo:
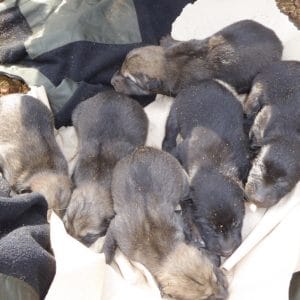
(25, 191)
(130, 77)
(89, 238)
(235, 224)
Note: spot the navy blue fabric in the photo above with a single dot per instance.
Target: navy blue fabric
(25, 241)
(13, 32)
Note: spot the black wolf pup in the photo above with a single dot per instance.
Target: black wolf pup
(214, 152)
(273, 112)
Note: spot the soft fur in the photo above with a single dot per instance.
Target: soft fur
(234, 54)
(30, 158)
(109, 126)
(146, 188)
(273, 112)
(214, 153)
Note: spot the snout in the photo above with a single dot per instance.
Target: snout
(228, 244)
(222, 295)
(259, 195)
(227, 252)
(117, 81)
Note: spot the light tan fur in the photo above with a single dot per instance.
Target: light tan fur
(30, 159)
(143, 59)
(187, 274)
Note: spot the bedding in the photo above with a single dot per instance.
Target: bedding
(57, 44)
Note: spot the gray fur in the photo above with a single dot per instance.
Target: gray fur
(273, 112)
(146, 188)
(109, 126)
(30, 158)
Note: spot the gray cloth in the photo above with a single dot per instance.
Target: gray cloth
(74, 47)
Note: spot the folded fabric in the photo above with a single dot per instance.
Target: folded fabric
(72, 48)
(26, 262)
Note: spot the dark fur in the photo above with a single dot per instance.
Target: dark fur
(30, 158)
(234, 54)
(214, 153)
(191, 231)
(146, 188)
(273, 111)
(109, 126)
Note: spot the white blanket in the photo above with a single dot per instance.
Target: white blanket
(262, 266)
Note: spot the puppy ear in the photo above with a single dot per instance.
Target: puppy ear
(167, 41)
(110, 246)
(188, 48)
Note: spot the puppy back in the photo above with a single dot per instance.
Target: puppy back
(109, 115)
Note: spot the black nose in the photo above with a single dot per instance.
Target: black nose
(227, 252)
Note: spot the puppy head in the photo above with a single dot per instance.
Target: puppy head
(142, 73)
(56, 189)
(274, 173)
(89, 213)
(188, 274)
(219, 211)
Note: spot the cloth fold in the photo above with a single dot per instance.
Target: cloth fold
(77, 43)
(25, 251)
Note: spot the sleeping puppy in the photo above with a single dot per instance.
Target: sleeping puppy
(146, 188)
(30, 158)
(214, 153)
(234, 54)
(275, 171)
(109, 126)
(273, 112)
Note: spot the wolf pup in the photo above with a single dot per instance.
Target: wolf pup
(214, 152)
(30, 158)
(109, 126)
(234, 54)
(273, 108)
(146, 188)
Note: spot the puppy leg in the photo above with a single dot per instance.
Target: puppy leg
(253, 103)
(257, 131)
(172, 130)
(110, 245)
(191, 231)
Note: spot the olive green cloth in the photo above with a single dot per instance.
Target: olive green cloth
(13, 288)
